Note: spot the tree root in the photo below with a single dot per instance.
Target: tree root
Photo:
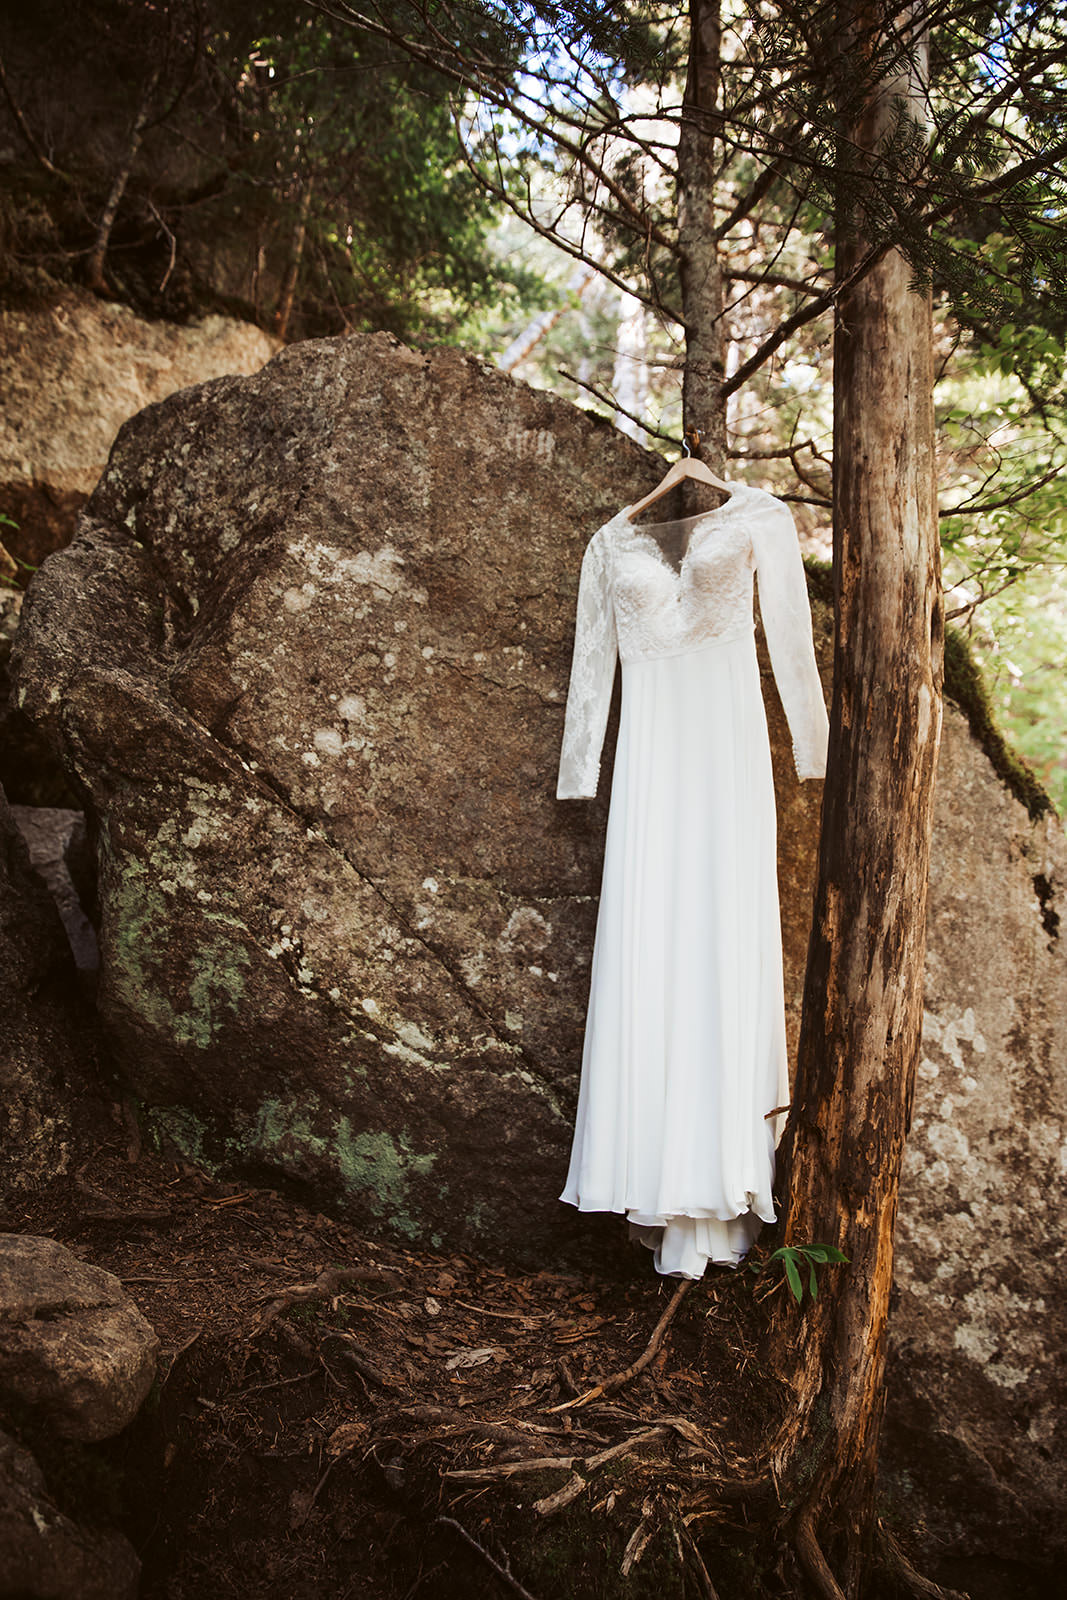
(511, 1469)
(901, 1570)
(503, 1572)
(697, 1560)
(327, 1285)
(815, 1565)
(891, 1556)
(618, 1379)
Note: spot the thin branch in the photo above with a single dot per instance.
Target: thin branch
(172, 241)
(1012, 499)
(746, 275)
(500, 192)
(747, 202)
(27, 133)
(503, 1572)
(608, 400)
(808, 313)
(493, 83)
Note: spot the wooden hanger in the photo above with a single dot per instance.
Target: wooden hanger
(686, 466)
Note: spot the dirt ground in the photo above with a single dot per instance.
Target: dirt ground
(336, 1415)
(309, 1441)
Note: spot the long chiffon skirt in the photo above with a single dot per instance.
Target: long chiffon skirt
(684, 1054)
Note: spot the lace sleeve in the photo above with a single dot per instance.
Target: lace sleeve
(786, 613)
(592, 676)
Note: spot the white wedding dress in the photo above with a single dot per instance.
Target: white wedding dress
(685, 1056)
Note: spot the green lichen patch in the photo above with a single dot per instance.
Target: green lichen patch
(380, 1167)
(187, 1008)
(184, 1130)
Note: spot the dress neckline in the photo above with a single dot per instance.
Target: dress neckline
(675, 522)
(645, 532)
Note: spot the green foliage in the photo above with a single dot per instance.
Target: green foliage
(14, 572)
(287, 157)
(1037, 733)
(797, 1259)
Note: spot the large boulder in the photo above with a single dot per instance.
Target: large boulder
(74, 1349)
(71, 372)
(978, 1411)
(307, 661)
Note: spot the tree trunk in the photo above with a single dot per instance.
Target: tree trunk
(700, 275)
(287, 293)
(527, 341)
(94, 265)
(862, 1020)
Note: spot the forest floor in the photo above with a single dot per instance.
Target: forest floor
(370, 1432)
(336, 1415)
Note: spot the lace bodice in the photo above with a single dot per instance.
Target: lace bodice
(635, 604)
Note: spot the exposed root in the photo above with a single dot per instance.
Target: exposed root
(511, 1469)
(816, 1567)
(327, 1286)
(355, 1358)
(503, 1572)
(562, 1497)
(900, 1568)
(618, 1379)
(182, 1348)
(697, 1560)
(639, 1540)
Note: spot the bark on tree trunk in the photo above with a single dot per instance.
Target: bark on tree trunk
(699, 271)
(862, 1019)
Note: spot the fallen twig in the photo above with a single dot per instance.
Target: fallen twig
(358, 1360)
(276, 1383)
(511, 1469)
(182, 1348)
(562, 1497)
(638, 1540)
(617, 1379)
(512, 1316)
(109, 1214)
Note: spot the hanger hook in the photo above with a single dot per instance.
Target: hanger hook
(687, 434)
